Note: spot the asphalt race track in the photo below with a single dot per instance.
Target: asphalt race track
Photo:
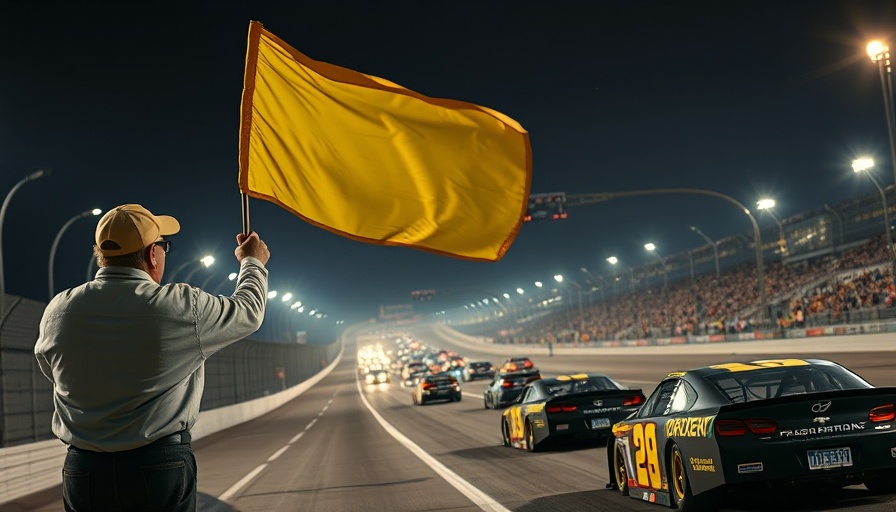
(328, 451)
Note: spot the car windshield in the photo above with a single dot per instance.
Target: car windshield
(782, 381)
(568, 387)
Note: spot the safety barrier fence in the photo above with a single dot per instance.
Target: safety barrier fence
(249, 373)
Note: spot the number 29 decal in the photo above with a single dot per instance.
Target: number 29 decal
(647, 459)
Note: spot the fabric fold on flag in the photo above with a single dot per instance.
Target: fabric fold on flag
(370, 160)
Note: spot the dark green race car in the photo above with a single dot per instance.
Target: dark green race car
(764, 423)
(577, 407)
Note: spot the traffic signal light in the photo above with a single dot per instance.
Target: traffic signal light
(423, 295)
(546, 206)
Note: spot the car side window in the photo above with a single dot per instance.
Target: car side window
(659, 401)
(683, 398)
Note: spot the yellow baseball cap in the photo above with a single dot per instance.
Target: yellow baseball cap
(131, 227)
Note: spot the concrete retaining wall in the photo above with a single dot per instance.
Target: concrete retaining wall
(31, 468)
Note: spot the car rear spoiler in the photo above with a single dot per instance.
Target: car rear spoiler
(612, 397)
(809, 397)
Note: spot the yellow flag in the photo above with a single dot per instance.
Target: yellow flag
(370, 160)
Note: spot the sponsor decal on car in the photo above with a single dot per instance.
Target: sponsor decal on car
(649, 496)
(893, 452)
(702, 464)
(602, 409)
(700, 426)
(824, 429)
(750, 467)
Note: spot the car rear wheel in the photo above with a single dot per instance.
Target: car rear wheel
(619, 471)
(505, 432)
(680, 487)
(530, 438)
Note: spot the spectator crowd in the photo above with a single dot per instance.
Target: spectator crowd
(827, 290)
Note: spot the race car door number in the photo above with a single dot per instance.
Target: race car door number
(600, 423)
(831, 458)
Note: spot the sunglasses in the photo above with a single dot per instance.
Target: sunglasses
(164, 244)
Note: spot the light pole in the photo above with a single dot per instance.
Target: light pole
(88, 213)
(839, 225)
(90, 264)
(651, 248)
(879, 52)
(559, 279)
(767, 204)
(863, 165)
(613, 260)
(715, 249)
(31, 177)
(592, 279)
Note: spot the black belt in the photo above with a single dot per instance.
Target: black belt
(182, 437)
(176, 438)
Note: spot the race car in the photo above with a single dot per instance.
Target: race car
(437, 387)
(506, 388)
(580, 406)
(517, 364)
(739, 425)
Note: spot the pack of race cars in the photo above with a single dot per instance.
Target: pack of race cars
(705, 431)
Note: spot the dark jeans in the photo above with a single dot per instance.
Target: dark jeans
(157, 477)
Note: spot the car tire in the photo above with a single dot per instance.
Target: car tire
(530, 438)
(683, 498)
(882, 482)
(620, 472)
(505, 432)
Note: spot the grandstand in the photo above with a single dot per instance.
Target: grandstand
(834, 268)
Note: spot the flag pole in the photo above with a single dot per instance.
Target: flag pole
(245, 202)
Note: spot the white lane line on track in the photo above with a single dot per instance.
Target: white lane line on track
(243, 481)
(482, 500)
(278, 453)
(229, 493)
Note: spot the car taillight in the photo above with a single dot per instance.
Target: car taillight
(554, 409)
(882, 413)
(428, 385)
(740, 427)
(730, 428)
(761, 426)
(634, 400)
(506, 384)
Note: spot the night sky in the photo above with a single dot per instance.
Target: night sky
(141, 105)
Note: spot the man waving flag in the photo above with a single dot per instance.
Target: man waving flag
(368, 159)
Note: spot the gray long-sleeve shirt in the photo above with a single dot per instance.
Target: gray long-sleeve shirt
(126, 355)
